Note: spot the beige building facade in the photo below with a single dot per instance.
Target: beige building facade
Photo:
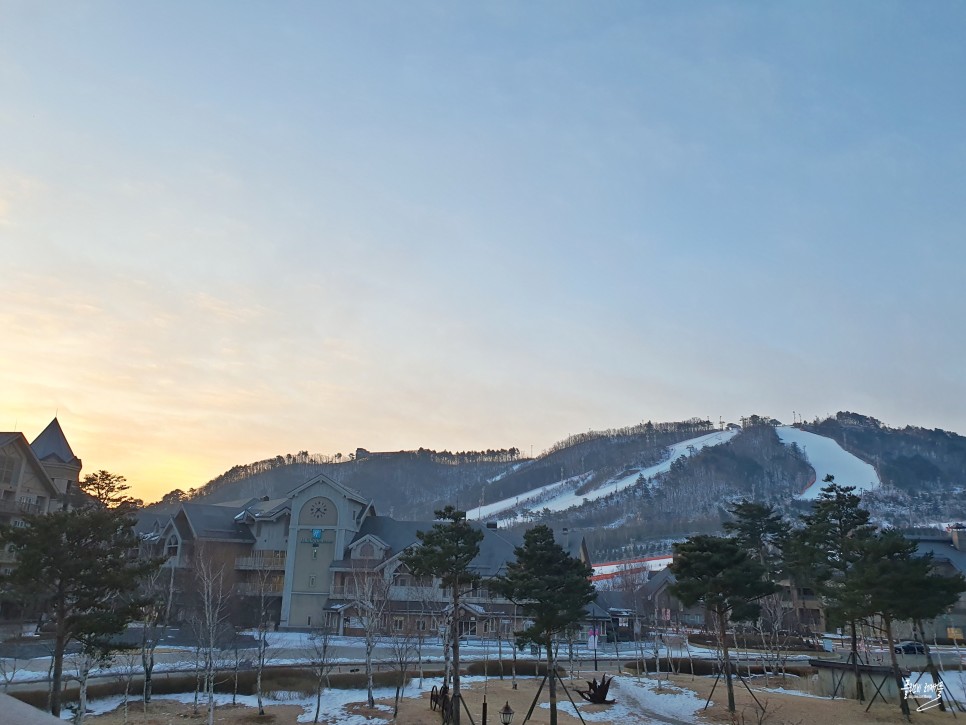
(312, 552)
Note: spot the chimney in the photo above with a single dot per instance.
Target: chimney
(957, 532)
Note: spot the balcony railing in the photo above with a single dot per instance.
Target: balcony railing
(9, 506)
(261, 563)
(270, 589)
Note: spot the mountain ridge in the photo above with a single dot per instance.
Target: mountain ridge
(621, 510)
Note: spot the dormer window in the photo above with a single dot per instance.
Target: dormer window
(367, 551)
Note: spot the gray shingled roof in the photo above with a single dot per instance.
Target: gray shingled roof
(265, 509)
(216, 522)
(496, 549)
(656, 582)
(52, 444)
(6, 438)
(943, 550)
(146, 520)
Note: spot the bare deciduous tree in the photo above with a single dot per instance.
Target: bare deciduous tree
(212, 579)
(370, 597)
(403, 644)
(157, 591)
(321, 640)
(265, 581)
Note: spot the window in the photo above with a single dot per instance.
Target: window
(420, 625)
(397, 624)
(18, 524)
(366, 551)
(8, 469)
(315, 552)
(312, 581)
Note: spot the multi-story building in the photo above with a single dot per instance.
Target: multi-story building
(34, 479)
(312, 551)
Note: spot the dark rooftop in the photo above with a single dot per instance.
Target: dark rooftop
(52, 445)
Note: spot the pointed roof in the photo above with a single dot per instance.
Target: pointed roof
(52, 445)
(31, 458)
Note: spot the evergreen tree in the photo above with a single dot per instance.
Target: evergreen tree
(83, 566)
(720, 574)
(896, 584)
(109, 490)
(552, 588)
(447, 551)
(822, 554)
(934, 593)
(760, 530)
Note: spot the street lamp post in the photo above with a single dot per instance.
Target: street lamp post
(592, 637)
(506, 714)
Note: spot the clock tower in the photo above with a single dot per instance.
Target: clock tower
(325, 517)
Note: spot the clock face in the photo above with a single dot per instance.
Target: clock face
(319, 509)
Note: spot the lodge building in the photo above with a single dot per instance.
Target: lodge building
(313, 552)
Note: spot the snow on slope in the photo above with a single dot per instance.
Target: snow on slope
(826, 456)
(564, 492)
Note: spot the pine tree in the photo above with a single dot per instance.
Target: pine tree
(109, 490)
(552, 589)
(896, 584)
(760, 530)
(83, 566)
(822, 554)
(719, 573)
(935, 593)
(447, 551)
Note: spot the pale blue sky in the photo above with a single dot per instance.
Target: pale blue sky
(237, 229)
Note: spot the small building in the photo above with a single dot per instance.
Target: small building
(949, 558)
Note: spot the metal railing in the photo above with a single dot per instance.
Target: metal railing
(274, 562)
(9, 506)
(270, 589)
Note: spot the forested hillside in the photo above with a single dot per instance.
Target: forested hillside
(692, 496)
(911, 459)
(922, 472)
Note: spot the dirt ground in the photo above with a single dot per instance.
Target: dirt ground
(781, 709)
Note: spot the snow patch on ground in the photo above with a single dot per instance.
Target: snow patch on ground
(796, 693)
(634, 700)
(333, 710)
(670, 701)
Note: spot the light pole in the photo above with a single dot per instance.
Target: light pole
(506, 714)
(593, 644)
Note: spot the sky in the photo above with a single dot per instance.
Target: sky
(231, 230)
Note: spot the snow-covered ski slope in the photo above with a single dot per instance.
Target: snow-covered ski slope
(828, 457)
(562, 495)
